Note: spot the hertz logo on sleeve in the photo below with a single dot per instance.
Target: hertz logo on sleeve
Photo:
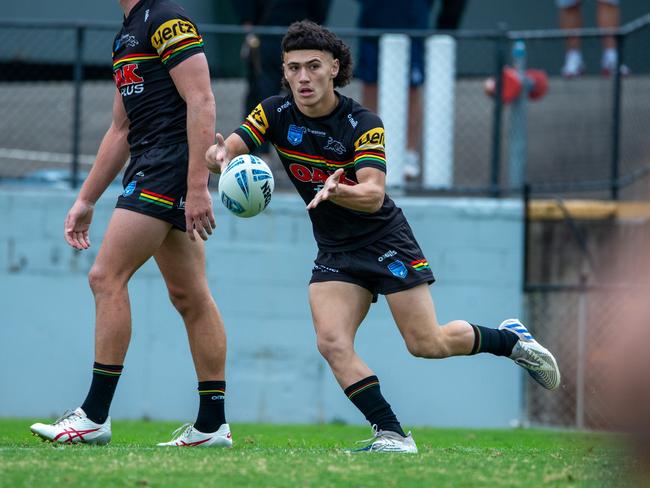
(172, 32)
(373, 139)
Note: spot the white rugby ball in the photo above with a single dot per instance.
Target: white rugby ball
(246, 185)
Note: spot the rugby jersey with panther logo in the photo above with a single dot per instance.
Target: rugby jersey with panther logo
(311, 149)
(156, 36)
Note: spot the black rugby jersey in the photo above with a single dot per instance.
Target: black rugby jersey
(156, 36)
(311, 149)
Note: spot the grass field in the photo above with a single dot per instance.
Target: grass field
(313, 455)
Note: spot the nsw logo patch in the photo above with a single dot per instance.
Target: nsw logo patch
(294, 136)
(130, 188)
(398, 269)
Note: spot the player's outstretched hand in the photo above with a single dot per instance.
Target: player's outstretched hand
(216, 156)
(198, 214)
(77, 224)
(329, 189)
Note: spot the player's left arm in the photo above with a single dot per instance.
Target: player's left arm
(366, 196)
(370, 168)
(192, 80)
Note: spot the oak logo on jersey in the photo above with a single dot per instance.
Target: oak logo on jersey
(306, 174)
(258, 118)
(371, 139)
(128, 81)
(171, 32)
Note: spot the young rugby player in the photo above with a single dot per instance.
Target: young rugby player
(333, 151)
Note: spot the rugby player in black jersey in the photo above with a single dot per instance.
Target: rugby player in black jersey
(163, 118)
(333, 151)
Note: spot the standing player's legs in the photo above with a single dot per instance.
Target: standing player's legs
(369, 93)
(366, 71)
(131, 239)
(338, 308)
(608, 15)
(412, 160)
(571, 18)
(182, 264)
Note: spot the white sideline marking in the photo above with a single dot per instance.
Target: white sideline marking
(44, 156)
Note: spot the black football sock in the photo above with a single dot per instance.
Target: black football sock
(212, 395)
(494, 341)
(99, 398)
(367, 397)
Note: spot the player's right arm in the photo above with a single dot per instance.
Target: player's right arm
(111, 156)
(220, 154)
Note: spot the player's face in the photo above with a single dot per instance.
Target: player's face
(310, 74)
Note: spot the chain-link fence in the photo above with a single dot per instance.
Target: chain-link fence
(588, 329)
(573, 324)
(586, 282)
(56, 90)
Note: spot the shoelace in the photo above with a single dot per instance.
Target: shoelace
(375, 434)
(66, 418)
(533, 358)
(183, 429)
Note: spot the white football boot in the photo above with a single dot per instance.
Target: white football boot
(532, 356)
(74, 427)
(387, 441)
(411, 165)
(187, 436)
(609, 62)
(573, 64)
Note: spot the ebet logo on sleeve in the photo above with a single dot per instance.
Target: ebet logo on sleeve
(171, 32)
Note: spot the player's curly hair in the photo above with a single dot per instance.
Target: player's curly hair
(306, 34)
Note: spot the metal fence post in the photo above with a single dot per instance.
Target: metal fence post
(77, 78)
(581, 354)
(616, 118)
(526, 237)
(518, 123)
(501, 46)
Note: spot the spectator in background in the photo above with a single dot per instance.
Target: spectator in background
(414, 14)
(608, 16)
(263, 53)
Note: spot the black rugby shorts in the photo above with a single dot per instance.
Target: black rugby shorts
(393, 263)
(155, 184)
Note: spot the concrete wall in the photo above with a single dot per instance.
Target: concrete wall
(258, 270)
